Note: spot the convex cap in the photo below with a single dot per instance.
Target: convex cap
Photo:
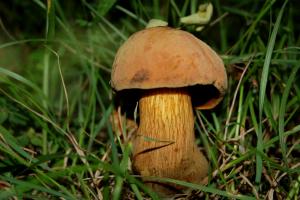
(163, 57)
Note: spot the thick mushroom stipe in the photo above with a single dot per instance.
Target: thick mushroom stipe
(165, 143)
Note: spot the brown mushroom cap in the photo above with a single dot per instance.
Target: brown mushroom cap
(163, 57)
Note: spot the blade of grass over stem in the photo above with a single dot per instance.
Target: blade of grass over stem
(262, 92)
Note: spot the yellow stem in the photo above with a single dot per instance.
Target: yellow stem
(165, 143)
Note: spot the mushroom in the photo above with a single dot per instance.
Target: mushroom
(170, 71)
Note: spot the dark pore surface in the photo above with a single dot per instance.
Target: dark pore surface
(128, 99)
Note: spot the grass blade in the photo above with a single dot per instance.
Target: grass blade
(208, 189)
(262, 92)
(281, 120)
(105, 5)
(24, 185)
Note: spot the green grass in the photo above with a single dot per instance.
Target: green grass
(58, 136)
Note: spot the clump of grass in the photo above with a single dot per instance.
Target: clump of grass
(60, 134)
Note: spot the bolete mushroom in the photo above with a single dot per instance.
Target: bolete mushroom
(171, 71)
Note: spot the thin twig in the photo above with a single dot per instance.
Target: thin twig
(234, 99)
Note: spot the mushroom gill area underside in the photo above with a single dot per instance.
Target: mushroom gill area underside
(203, 96)
(164, 145)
